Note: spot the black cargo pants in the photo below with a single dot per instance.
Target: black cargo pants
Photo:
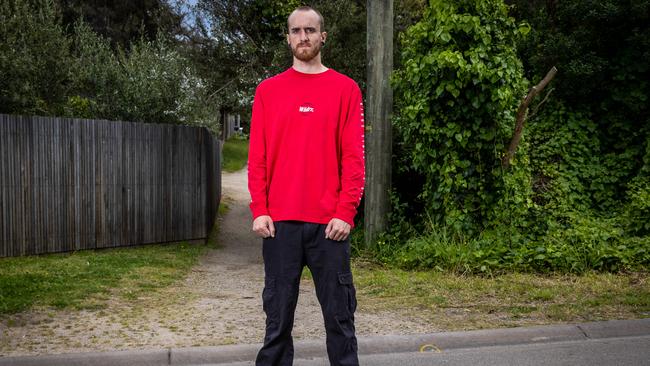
(295, 245)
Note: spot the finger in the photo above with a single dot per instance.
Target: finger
(328, 230)
(271, 229)
(342, 236)
(336, 234)
(345, 233)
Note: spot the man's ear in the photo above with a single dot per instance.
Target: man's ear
(323, 37)
(288, 41)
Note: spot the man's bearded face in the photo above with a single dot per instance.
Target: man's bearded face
(304, 36)
(306, 51)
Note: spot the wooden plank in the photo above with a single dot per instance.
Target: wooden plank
(89, 184)
(45, 188)
(167, 181)
(173, 189)
(158, 179)
(132, 179)
(117, 183)
(106, 181)
(146, 184)
(199, 200)
(182, 213)
(22, 184)
(18, 188)
(98, 206)
(131, 184)
(107, 164)
(66, 194)
(36, 207)
(83, 187)
(112, 184)
(12, 211)
(124, 160)
(137, 184)
(57, 199)
(4, 186)
(59, 184)
(42, 190)
(156, 183)
(91, 144)
(35, 159)
(31, 186)
(106, 188)
(70, 186)
(76, 169)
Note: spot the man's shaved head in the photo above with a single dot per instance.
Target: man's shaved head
(321, 20)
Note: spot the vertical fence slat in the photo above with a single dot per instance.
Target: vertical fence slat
(112, 184)
(132, 163)
(11, 209)
(91, 134)
(4, 228)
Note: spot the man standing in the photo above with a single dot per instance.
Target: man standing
(306, 178)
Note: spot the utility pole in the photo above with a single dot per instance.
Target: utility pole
(377, 117)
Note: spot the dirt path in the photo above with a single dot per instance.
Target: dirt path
(219, 302)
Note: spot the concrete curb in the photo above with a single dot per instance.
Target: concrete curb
(435, 342)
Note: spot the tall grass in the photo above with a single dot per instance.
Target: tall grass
(235, 154)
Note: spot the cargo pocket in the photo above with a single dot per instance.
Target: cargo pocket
(345, 280)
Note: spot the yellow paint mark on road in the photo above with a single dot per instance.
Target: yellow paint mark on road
(430, 348)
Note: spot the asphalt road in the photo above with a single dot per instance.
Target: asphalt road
(616, 342)
(627, 351)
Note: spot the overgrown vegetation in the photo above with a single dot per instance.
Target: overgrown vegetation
(576, 197)
(46, 70)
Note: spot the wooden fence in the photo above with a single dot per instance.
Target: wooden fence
(71, 184)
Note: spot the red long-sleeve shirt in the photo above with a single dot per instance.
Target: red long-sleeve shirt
(306, 155)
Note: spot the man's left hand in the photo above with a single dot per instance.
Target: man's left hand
(337, 229)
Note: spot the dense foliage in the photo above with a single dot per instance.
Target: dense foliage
(576, 198)
(457, 90)
(48, 71)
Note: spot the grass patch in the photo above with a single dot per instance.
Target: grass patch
(235, 154)
(84, 280)
(87, 279)
(451, 301)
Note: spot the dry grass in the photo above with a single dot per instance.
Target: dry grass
(457, 302)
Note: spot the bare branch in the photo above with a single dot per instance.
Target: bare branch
(521, 116)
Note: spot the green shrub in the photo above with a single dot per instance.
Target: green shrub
(34, 58)
(456, 93)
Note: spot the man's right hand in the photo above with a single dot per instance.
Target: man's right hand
(263, 226)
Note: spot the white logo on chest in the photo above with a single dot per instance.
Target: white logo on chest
(305, 109)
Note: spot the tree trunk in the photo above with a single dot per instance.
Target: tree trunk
(378, 112)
